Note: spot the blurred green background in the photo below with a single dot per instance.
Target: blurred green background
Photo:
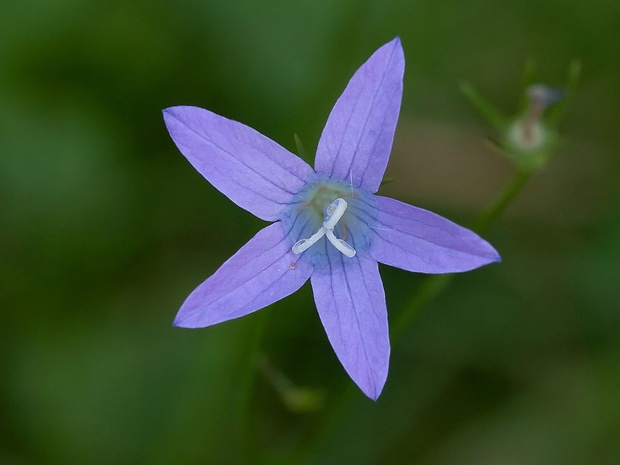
(105, 229)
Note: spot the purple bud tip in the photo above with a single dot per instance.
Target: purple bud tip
(543, 95)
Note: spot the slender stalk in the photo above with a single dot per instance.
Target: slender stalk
(508, 194)
(430, 288)
(251, 449)
(434, 284)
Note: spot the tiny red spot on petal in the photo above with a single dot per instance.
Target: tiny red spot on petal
(292, 266)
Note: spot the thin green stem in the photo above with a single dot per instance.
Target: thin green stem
(435, 284)
(508, 194)
(430, 288)
(251, 359)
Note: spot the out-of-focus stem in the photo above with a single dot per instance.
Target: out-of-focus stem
(497, 208)
(251, 449)
(430, 288)
(434, 284)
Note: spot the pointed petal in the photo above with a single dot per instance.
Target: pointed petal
(262, 272)
(252, 170)
(417, 240)
(356, 142)
(351, 304)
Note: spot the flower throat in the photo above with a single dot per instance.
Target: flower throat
(323, 226)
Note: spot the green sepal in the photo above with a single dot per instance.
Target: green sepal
(301, 151)
(556, 112)
(486, 109)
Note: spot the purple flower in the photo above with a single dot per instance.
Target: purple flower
(328, 226)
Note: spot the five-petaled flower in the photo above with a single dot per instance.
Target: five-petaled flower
(328, 226)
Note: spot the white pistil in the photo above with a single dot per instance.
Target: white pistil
(340, 244)
(333, 213)
(304, 244)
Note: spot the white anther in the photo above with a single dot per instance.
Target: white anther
(333, 214)
(340, 244)
(304, 244)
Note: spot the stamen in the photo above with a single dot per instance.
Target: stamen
(333, 214)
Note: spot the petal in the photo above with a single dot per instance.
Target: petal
(252, 170)
(263, 271)
(417, 240)
(356, 142)
(351, 304)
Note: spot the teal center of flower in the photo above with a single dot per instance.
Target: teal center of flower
(329, 221)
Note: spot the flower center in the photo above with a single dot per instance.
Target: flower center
(328, 220)
(333, 213)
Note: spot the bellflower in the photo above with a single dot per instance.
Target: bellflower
(328, 224)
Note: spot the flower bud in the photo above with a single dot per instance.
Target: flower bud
(528, 139)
